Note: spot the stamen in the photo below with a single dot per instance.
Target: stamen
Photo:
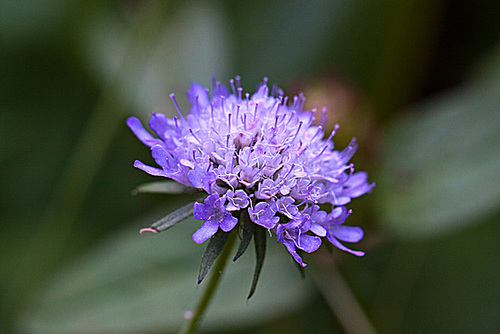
(298, 130)
(239, 93)
(255, 112)
(320, 128)
(260, 170)
(302, 151)
(323, 118)
(292, 114)
(176, 123)
(192, 133)
(311, 117)
(335, 128)
(229, 122)
(231, 81)
(237, 114)
(291, 168)
(285, 101)
(172, 96)
(322, 151)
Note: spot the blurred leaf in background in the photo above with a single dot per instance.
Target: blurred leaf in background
(71, 73)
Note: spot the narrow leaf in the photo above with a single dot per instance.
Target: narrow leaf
(213, 250)
(163, 187)
(246, 234)
(171, 219)
(260, 253)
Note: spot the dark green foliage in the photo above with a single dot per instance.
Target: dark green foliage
(173, 218)
(247, 230)
(260, 254)
(214, 247)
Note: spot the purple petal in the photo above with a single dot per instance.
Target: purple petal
(309, 243)
(218, 90)
(135, 125)
(195, 176)
(348, 233)
(197, 94)
(267, 222)
(200, 211)
(160, 155)
(341, 200)
(337, 244)
(290, 246)
(318, 230)
(150, 170)
(159, 124)
(356, 191)
(206, 231)
(357, 179)
(228, 223)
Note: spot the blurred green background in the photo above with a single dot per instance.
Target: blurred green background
(418, 82)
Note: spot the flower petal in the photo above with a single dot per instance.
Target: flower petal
(309, 243)
(337, 244)
(228, 222)
(206, 231)
(290, 246)
(135, 125)
(197, 95)
(200, 211)
(159, 124)
(150, 170)
(348, 233)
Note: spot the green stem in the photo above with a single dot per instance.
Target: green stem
(192, 323)
(339, 296)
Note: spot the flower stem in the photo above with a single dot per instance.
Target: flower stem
(192, 323)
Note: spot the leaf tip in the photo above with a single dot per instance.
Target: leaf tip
(148, 229)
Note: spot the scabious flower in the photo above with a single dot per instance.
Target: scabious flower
(260, 155)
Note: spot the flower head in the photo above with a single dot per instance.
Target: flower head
(261, 154)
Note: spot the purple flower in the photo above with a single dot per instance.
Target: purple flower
(213, 212)
(293, 236)
(336, 231)
(261, 154)
(264, 214)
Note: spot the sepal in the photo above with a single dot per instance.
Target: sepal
(260, 253)
(163, 187)
(214, 247)
(171, 219)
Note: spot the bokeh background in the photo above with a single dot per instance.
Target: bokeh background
(417, 82)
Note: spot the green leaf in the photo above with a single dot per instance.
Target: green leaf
(168, 65)
(163, 187)
(247, 233)
(134, 284)
(171, 219)
(440, 168)
(260, 254)
(214, 247)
